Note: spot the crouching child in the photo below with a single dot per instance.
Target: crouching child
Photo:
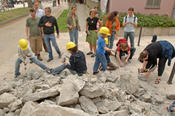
(77, 61)
(124, 49)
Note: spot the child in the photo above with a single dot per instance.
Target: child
(77, 61)
(122, 49)
(25, 54)
(100, 52)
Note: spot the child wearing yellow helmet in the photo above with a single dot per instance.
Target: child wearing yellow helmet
(25, 54)
(100, 51)
(77, 61)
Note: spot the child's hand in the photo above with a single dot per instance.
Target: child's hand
(126, 61)
(121, 65)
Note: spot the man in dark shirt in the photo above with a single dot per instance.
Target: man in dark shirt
(47, 23)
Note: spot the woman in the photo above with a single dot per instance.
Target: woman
(73, 25)
(162, 50)
(114, 25)
(91, 29)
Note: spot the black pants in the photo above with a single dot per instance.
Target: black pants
(161, 65)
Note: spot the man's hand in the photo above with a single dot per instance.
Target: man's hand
(27, 37)
(42, 35)
(48, 24)
(57, 35)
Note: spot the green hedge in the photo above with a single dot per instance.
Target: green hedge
(62, 21)
(10, 14)
(149, 20)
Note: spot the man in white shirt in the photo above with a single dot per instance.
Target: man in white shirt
(129, 24)
(40, 13)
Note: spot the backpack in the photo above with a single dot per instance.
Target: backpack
(126, 19)
(121, 41)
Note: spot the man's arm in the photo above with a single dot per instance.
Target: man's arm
(57, 28)
(135, 23)
(125, 23)
(27, 33)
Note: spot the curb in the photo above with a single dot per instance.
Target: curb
(13, 19)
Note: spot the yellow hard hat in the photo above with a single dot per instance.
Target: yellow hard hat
(70, 45)
(23, 44)
(106, 41)
(104, 30)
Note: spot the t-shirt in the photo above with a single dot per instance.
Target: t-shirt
(40, 13)
(34, 29)
(92, 23)
(130, 27)
(100, 45)
(50, 19)
(118, 48)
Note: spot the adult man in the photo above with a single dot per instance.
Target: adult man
(33, 33)
(129, 23)
(48, 22)
(73, 25)
(40, 13)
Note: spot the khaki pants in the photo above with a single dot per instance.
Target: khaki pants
(36, 44)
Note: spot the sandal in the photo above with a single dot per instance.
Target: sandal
(157, 81)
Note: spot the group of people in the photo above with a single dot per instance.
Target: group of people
(40, 30)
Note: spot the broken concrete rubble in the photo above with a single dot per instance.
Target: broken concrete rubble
(89, 95)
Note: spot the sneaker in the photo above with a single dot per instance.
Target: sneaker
(39, 58)
(49, 71)
(93, 55)
(17, 75)
(94, 73)
(49, 60)
(60, 55)
(89, 53)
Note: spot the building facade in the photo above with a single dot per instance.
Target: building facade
(161, 7)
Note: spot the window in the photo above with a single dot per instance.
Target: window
(153, 3)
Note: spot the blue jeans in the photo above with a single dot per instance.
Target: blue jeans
(47, 39)
(59, 69)
(100, 59)
(131, 37)
(34, 60)
(111, 39)
(74, 36)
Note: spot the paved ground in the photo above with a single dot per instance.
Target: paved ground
(8, 52)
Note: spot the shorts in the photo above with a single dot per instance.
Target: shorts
(36, 44)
